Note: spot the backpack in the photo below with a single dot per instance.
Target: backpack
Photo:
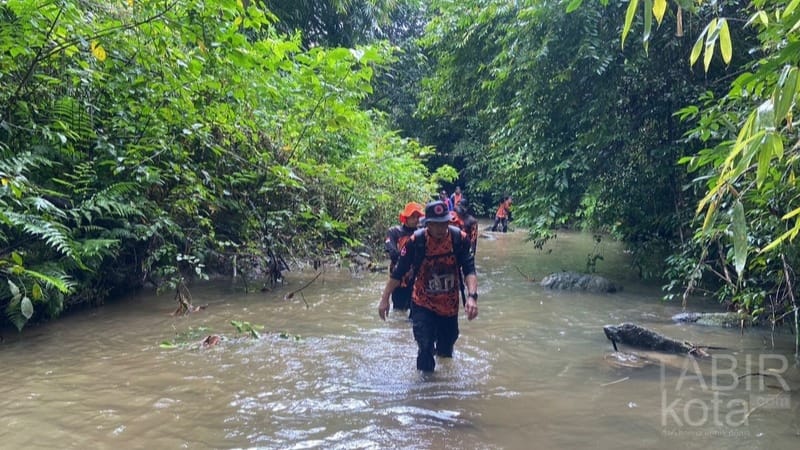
(456, 235)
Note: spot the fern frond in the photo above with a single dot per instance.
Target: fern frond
(45, 205)
(17, 166)
(93, 248)
(54, 234)
(58, 281)
(69, 117)
(14, 314)
(90, 229)
(82, 176)
(113, 201)
(122, 234)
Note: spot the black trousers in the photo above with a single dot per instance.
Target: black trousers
(435, 335)
(503, 224)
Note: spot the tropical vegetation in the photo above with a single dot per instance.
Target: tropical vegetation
(163, 140)
(160, 140)
(691, 164)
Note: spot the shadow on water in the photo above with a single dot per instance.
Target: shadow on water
(533, 371)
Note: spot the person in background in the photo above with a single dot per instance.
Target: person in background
(396, 238)
(438, 255)
(444, 198)
(455, 199)
(503, 214)
(467, 223)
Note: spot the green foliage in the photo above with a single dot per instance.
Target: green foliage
(746, 167)
(138, 137)
(247, 328)
(337, 23)
(580, 133)
(189, 337)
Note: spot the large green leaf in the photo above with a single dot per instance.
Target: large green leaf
(785, 92)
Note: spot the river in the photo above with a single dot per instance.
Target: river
(533, 371)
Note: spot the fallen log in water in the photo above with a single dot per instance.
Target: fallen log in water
(636, 336)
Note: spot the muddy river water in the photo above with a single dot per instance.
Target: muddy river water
(533, 371)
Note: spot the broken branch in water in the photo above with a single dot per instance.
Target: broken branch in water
(291, 294)
(184, 299)
(527, 278)
(760, 405)
(615, 382)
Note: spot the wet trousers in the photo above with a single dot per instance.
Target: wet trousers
(435, 335)
(503, 222)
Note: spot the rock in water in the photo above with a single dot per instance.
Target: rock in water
(722, 319)
(575, 281)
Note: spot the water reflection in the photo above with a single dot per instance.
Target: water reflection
(530, 372)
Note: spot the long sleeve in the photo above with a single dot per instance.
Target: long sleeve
(390, 245)
(404, 261)
(465, 257)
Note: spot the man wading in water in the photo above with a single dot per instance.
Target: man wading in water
(439, 255)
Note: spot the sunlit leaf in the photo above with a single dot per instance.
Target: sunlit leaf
(711, 213)
(739, 238)
(702, 38)
(711, 39)
(573, 5)
(790, 8)
(713, 31)
(696, 50)
(762, 15)
(725, 46)
(659, 8)
(791, 214)
(36, 292)
(779, 240)
(709, 53)
(629, 15)
(98, 51)
(795, 27)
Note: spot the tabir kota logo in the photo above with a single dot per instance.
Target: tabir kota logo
(724, 395)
